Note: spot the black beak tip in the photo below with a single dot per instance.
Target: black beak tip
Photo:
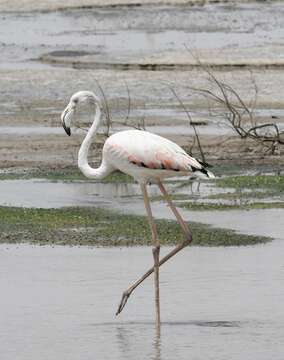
(67, 129)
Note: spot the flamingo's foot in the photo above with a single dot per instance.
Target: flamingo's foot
(123, 301)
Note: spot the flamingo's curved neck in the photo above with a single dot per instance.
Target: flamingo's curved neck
(83, 164)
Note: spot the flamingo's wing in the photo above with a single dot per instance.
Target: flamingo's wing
(151, 151)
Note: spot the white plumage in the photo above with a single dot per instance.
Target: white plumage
(147, 157)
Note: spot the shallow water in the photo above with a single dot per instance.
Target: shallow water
(48, 194)
(221, 303)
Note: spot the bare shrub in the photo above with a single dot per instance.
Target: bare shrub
(238, 113)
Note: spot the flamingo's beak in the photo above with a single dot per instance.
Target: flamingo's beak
(66, 119)
(67, 129)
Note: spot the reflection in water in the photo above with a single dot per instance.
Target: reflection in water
(127, 334)
(157, 347)
(124, 340)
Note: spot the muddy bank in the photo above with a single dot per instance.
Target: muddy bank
(44, 5)
(224, 60)
(39, 96)
(58, 151)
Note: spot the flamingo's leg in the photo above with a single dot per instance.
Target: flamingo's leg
(186, 242)
(156, 253)
(183, 225)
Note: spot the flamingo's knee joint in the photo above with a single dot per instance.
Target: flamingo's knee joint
(156, 250)
(188, 239)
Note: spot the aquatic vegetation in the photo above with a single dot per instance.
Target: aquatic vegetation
(99, 227)
(198, 206)
(275, 182)
(243, 196)
(248, 190)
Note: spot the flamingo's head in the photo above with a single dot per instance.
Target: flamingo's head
(79, 97)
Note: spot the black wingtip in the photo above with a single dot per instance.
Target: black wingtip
(203, 171)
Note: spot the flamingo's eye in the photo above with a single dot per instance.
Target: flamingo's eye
(75, 101)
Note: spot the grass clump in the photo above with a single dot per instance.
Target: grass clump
(93, 226)
(273, 182)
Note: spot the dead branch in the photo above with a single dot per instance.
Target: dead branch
(107, 109)
(196, 136)
(128, 104)
(238, 113)
(109, 120)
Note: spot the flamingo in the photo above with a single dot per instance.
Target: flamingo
(148, 158)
